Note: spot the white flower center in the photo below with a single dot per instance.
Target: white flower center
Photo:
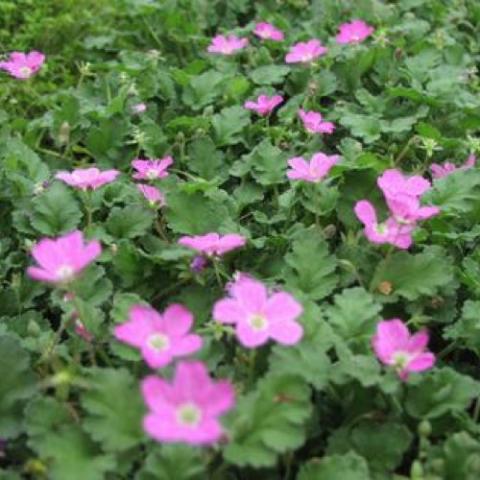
(152, 174)
(65, 273)
(381, 229)
(158, 342)
(400, 360)
(188, 415)
(258, 322)
(25, 71)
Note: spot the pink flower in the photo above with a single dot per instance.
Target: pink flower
(259, 316)
(264, 104)
(160, 338)
(212, 244)
(305, 52)
(139, 108)
(227, 45)
(390, 231)
(393, 183)
(312, 171)
(23, 66)
(267, 31)
(440, 171)
(152, 194)
(313, 122)
(61, 259)
(407, 210)
(187, 409)
(354, 32)
(84, 178)
(151, 169)
(393, 345)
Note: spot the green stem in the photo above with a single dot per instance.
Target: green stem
(216, 269)
(377, 276)
(87, 201)
(448, 349)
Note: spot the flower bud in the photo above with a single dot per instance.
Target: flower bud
(425, 428)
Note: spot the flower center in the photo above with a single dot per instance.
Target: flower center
(258, 322)
(188, 415)
(65, 273)
(25, 71)
(381, 229)
(400, 360)
(151, 174)
(158, 342)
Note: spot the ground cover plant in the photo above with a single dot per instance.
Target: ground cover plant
(239, 240)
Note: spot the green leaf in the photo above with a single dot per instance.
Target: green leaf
(62, 444)
(269, 74)
(266, 163)
(309, 265)
(204, 158)
(440, 392)
(129, 222)
(17, 384)
(349, 466)
(56, 211)
(367, 127)
(467, 328)
(203, 89)
(412, 276)
(269, 421)
(168, 462)
(93, 286)
(381, 444)
(114, 409)
(228, 125)
(194, 213)
(354, 314)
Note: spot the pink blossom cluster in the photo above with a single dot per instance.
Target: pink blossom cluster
(150, 170)
(23, 65)
(354, 32)
(447, 168)
(314, 170)
(402, 195)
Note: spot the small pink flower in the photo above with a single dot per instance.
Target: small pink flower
(264, 104)
(187, 409)
(267, 31)
(390, 231)
(354, 32)
(23, 66)
(312, 171)
(393, 183)
(85, 178)
(151, 169)
(160, 338)
(440, 171)
(213, 244)
(394, 346)
(259, 316)
(313, 122)
(227, 45)
(305, 52)
(139, 108)
(61, 259)
(152, 194)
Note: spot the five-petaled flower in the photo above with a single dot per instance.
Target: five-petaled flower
(85, 178)
(151, 169)
(159, 337)
(395, 346)
(313, 171)
(60, 260)
(355, 31)
(213, 244)
(314, 123)
(267, 31)
(23, 65)
(187, 409)
(227, 45)
(259, 315)
(305, 52)
(264, 104)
